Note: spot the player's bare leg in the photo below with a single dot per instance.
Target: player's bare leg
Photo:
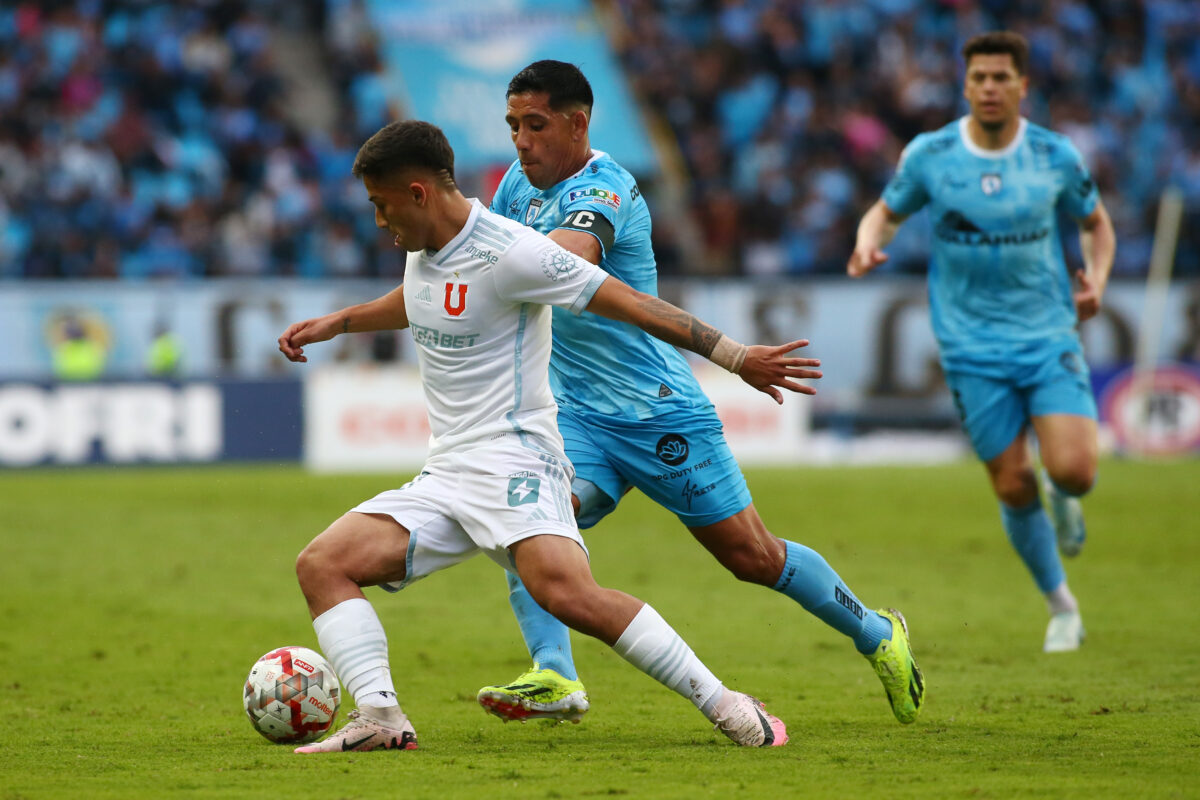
(555, 571)
(1069, 450)
(752, 553)
(1032, 535)
(1069, 454)
(743, 544)
(355, 551)
(1012, 475)
(745, 547)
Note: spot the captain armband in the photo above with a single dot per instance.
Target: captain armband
(591, 222)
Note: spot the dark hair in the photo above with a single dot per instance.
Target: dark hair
(999, 43)
(562, 81)
(400, 145)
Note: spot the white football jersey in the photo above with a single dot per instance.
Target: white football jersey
(479, 312)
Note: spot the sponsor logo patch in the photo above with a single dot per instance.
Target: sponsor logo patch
(523, 490)
(957, 229)
(990, 183)
(848, 602)
(1071, 362)
(558, 263)
(694, 490)
(432, 337)
(1085, 184)
(672, 449)
(596, 195)
(485, 255)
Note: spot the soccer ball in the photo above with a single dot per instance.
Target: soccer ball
(292, 695)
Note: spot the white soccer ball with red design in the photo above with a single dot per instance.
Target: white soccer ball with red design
(292, 695)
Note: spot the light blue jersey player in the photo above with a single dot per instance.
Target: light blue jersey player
(632, 415)
(1003, 305)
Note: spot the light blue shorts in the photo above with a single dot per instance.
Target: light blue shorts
(995, 410)
(680, 460)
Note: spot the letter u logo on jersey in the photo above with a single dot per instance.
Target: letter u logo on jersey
(456, 310)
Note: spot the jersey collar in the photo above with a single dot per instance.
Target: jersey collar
(440, 256)
(983, 152)
(596, 154)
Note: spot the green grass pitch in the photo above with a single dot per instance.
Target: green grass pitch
(135, 601)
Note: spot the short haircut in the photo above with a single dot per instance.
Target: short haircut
(403, 145)
(563, 82)
(999, 43)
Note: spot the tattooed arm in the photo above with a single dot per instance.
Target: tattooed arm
(763, 367)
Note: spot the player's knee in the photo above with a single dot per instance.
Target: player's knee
(1076, 478)
(571, 605)
(312, 565)
(1017, 488)
(305, 566)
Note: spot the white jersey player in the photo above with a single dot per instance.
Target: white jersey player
(475, 295)
(479, 311)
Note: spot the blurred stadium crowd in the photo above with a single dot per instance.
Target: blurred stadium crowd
(142, 139)
(792, 115)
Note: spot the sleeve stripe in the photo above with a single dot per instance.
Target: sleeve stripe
(494, 241)
(588, 292)
(495, 231)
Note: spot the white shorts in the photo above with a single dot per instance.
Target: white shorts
(482, 500)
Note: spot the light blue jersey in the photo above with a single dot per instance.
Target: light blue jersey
(630, 410)
(601, 365)
(633, 416)
(999, 291)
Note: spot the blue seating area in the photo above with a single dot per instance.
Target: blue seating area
(150, 140)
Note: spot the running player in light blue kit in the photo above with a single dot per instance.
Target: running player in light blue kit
(632, 415)
(1002, 303)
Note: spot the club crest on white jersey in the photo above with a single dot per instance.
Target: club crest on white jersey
(456, 306)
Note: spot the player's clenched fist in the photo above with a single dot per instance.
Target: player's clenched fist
(298, 334)
(863, 260)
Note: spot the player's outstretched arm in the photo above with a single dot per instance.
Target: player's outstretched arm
(761, 366)
(877, 228)
(1098, 243)
(381, 314)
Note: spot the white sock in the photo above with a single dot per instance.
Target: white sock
(353, 640)
(651, 645)
(1060, 600)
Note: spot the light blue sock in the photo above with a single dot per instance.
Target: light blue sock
(812, 583)
(548, 640)
(1032, 536)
